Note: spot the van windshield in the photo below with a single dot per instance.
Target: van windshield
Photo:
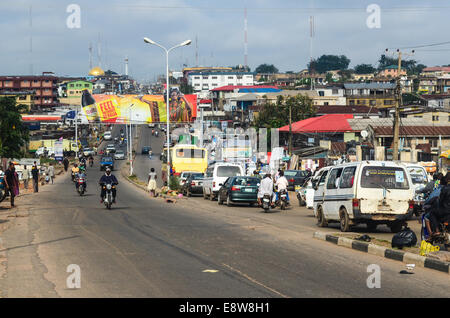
(228, 171)
(384, 177)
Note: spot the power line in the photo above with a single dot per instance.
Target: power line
(423, 45)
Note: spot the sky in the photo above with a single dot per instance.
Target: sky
(36, 37)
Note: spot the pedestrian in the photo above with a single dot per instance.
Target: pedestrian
(25, 176)
(51, 172)
(66, 163)
(35, 175)
(12, 182)
(152, 182)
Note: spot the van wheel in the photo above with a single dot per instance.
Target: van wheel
(321, 221)
(344, 220)
(220, 202)
(211, 196)
(371, 226)
(396, 227)
(204, 195)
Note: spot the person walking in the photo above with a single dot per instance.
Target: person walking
(66, 164)
(51, 172)
(25, 177)
(152, 182)
(12, 182)
(35, 175)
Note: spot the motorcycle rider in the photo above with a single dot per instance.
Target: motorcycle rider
(108, 177)
(91, 161)
(265, 187)
(75, 170)
(442, 211)
(81, 174)
(282, 184)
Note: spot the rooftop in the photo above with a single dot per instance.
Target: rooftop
(369, 85)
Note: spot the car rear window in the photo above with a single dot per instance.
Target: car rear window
(246, 181)
(228, 171)
(106, 159)
(197, 176)
(384, 177)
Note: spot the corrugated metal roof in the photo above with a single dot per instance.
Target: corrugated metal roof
(233, 87)
(369, 85)
(414, 131)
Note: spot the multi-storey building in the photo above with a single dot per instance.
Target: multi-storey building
(25, 98)
(380, 95)
(203, 82)
(44, 87)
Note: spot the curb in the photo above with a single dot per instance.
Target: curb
(405, 257)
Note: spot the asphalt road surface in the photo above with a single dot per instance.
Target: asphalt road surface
(146, 247)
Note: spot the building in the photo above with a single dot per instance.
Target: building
(73, 90)
(434, 80)
(43, 86)
(356, 111)
(25, 98)
(203, 82)
(330, 95)
(437, 100)
(380, 95)
(362, 77)
(392, 72)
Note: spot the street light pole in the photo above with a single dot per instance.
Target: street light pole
(130, 143)
(187, 42)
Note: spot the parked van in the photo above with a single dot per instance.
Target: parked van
(369, 192)
(216, 175)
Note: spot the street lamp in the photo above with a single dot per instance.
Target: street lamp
(187, 42)
(130, 142)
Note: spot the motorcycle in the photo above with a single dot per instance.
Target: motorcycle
(73, 176)
(266, 202)
(81, 186)
(444, 230)
(91, 163)
(108, 198)
(282, 199)
(156, 133)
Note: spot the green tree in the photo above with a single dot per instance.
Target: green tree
(329, 78)
(364, 69)
(186, 88)
(266, 68)
(13, 133)
(409, 65)
(327, 63)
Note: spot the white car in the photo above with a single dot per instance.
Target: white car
(184, 175)
(41, 151)
(216, 175)
(107, 135)
(119, 155)
(111, 148)
(88, 152)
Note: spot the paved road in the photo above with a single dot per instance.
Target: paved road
(145, 247)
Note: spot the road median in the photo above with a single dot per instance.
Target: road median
(383, 251)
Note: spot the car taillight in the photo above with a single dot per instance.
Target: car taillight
(291, 180)
(233, 188)
(355, 203)
(411, 204)
(192, 183)
(214, 184)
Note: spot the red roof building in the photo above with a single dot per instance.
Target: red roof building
(331, 123)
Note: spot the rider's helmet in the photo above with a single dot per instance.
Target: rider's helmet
(108, 170)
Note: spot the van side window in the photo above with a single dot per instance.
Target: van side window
(347, 178)
(323, 177)
(333, 179)
(209, 172)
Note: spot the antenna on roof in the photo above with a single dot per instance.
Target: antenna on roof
(245, 39)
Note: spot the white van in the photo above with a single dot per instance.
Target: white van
(217, 174)
(370, 192)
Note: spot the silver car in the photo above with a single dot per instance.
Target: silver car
(119, 155)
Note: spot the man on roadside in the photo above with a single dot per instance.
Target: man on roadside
(35, 175)
(51, 172)
(66, 164)
(12, 183)
(25, 176)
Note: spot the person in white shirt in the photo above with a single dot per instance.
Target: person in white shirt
(282, 184)
(266, 186)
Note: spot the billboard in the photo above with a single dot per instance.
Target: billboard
(140, 109)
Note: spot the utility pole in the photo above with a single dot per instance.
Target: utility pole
(290, 129)
(398, 93)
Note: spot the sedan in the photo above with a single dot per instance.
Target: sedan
(193, 184)
(239, 189)
(296, 177)
(146, 150)
(111, 148)
(88, 152)
(119, 155)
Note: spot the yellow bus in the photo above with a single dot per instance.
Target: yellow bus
(187, 158)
